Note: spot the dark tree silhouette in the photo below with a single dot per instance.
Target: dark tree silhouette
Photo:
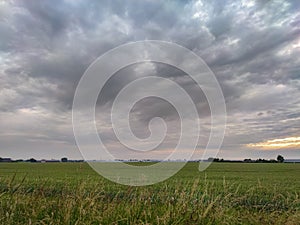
(280, 158)
(64, 159)
(32, 160)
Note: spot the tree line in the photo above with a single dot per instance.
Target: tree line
(279, 159)
(33, 160)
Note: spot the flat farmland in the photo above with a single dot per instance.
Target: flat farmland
(225, 193)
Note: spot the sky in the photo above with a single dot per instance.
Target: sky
(252, 47)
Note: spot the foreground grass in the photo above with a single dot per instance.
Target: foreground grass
(226, 193)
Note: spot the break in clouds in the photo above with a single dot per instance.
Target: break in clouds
(253, 48)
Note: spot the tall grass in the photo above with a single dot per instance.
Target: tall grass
(185, 199)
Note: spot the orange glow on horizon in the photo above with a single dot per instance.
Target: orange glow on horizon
(290, 142)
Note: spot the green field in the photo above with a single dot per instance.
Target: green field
(226, 193)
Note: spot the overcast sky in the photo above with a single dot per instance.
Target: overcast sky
(253, 48)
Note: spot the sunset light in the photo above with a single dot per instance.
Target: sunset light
(290, 142)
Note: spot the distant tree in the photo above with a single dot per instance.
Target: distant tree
(19, 160)
(64, 159)
(248, 160)
(259, 160)
(280, 158)
(32, 160)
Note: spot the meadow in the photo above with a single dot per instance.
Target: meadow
(226, 193)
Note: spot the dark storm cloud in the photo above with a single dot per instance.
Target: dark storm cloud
(251, 46)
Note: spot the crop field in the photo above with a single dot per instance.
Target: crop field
(226, 193)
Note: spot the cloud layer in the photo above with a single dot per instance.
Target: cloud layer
(253, 47)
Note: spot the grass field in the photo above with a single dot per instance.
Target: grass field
(226, 193)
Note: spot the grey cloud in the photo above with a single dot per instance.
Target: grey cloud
(46, 46)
